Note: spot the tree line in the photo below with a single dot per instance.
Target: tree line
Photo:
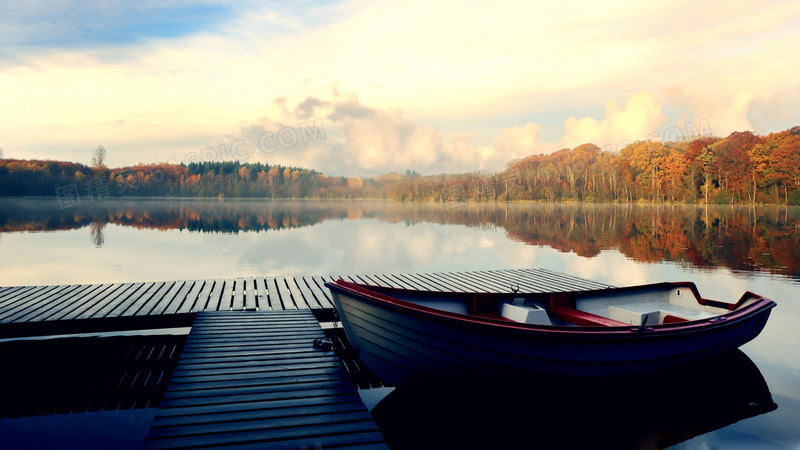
(740, 168)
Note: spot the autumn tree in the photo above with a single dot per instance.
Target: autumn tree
(785, 162)
(696, 170)
(646, 157)
(674, 168)
(244, 174)
(732, 164)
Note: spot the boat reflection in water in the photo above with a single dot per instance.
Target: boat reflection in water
(653, 410)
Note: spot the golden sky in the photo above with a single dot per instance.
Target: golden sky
(360, 88)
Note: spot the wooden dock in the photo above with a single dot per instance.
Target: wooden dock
(254, 379)
(249, 375)
(74, 308)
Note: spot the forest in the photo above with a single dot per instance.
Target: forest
(742, 168)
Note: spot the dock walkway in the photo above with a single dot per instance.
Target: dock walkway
(254, 379)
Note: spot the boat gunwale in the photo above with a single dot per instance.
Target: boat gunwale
(738, 313)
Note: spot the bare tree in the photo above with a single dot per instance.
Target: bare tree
(1, 152)
(99, 158)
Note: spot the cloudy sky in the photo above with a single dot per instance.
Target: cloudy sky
(360, 88)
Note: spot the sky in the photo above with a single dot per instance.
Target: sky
(361, 88)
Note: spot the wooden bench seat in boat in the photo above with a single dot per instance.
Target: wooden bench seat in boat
(656, 312)
(585, 319)
(562, 307)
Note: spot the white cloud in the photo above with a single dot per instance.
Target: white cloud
(362, 140)
(639, 118)
(517, 142)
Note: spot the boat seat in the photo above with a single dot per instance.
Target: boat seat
(656, 312)
(562, 307)
(534, 315)
(583, 318)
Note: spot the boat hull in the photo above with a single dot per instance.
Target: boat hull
(404, 345)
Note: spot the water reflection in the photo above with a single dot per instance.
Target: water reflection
(96, 230)
(643, 411)
(745, 239)
(83, 392)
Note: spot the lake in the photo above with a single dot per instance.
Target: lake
(725, 250)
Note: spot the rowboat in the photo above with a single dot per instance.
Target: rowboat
(411, 336)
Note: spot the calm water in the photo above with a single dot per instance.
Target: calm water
(724, 250)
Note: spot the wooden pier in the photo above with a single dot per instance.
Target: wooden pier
(255, 379)
(88, 307)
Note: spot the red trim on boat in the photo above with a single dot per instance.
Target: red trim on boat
(561, 300)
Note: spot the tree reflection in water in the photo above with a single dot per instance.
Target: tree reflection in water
(741, 238)
(96, 230)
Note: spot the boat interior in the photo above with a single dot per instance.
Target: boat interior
(656, 304)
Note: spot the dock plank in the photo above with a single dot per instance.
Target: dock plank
(226, 301)
(262, 295)
(382, 280)
(532, 283)
(308, 295)
(275, 300)
(176, 302)
(71, 309)
(200, 301)
(287, 299)
(101, 309)
(132, 303)
(189, 300)
(439, 281)
(7, 291)
(421, 282)
(156, 306)
(317, 286)
(93, 303)
(45, 309)
(467, 283)
(250, 294)
(22, 293)
(238, 295)
(216, 294)
(146, 303)
(26, 303)
(494, 282)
